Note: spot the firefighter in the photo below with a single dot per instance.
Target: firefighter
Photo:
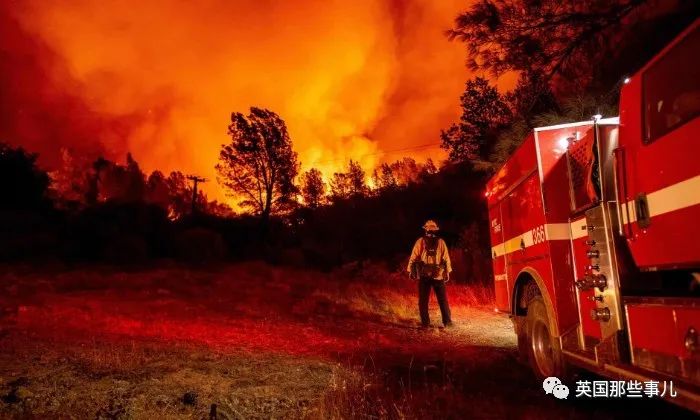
(430, 265)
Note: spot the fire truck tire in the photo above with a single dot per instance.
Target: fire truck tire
(543, 349)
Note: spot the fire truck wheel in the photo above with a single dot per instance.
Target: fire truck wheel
(544, 352)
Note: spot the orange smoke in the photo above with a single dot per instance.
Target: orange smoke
(351, 79)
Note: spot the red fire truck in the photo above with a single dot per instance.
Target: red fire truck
(595, 233)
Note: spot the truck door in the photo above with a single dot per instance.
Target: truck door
(656, 165)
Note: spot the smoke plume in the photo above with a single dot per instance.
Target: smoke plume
(159, 78)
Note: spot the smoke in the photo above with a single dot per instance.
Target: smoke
(159, 79)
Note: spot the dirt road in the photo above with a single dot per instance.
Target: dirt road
(252, 341)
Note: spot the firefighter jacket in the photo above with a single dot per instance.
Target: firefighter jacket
(441, 258)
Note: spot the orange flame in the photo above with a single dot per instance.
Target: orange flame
(351, 79)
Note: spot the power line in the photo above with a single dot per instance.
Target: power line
(383, 152)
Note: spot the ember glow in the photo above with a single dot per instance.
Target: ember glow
(160, 78)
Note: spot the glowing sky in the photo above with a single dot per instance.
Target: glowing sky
(159, 78)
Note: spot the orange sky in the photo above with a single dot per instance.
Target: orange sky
(352, 79)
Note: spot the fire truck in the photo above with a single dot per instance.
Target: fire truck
(595, 234)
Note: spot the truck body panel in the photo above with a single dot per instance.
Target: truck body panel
(602, 218)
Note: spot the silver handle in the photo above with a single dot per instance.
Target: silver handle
(618, 207)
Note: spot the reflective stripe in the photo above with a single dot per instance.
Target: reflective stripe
(558, 231)
(674, 197)
(547, 232)
(542, 233)
(578, 229)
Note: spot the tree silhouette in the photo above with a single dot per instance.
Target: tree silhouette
(135, 180)
(219, 209)
(114, 182)
(313, 189)
(350, 183)
(405, 171)
(24, 186)
(179, 195)
(356, 179)
(547, 36)
(531, 96)
(71, 181)
(383, 178)
(340, 186)
(484, 112)
(157, 191)
(429, 167)
(259, 164)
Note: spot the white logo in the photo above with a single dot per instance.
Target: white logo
(550, 383)
(553, 385)
(561, 392)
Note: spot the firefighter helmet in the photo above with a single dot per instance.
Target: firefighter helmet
(430, 225)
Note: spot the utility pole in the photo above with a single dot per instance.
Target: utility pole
(195, 180)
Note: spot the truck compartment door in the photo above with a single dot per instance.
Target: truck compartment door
(664, 334)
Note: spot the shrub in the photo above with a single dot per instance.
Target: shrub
(197, 245)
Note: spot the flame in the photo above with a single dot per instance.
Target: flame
(160, 78)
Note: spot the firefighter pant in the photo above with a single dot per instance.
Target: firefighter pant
(424, 286)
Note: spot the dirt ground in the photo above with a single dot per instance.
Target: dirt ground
(253, 341)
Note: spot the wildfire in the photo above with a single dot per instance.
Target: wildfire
(160, 78)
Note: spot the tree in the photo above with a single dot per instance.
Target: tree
(219, 209)
(157, 191)
(550, 37)
(259, 164)
(383, 178)
(484, 112)
(531, 96)
(350, 183)
(71, 181)
(22, 184)
(356, 179)
(180, 195)
(579, 108)
(429, 167)
(313, 188)
(92, 196)
(135, 180)
(505, 144)
(121, 183)
(340, 186)
(405, 170)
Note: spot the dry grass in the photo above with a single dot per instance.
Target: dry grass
(256, 342)
(145, 380)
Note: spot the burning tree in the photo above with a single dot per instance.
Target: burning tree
(259, 164)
